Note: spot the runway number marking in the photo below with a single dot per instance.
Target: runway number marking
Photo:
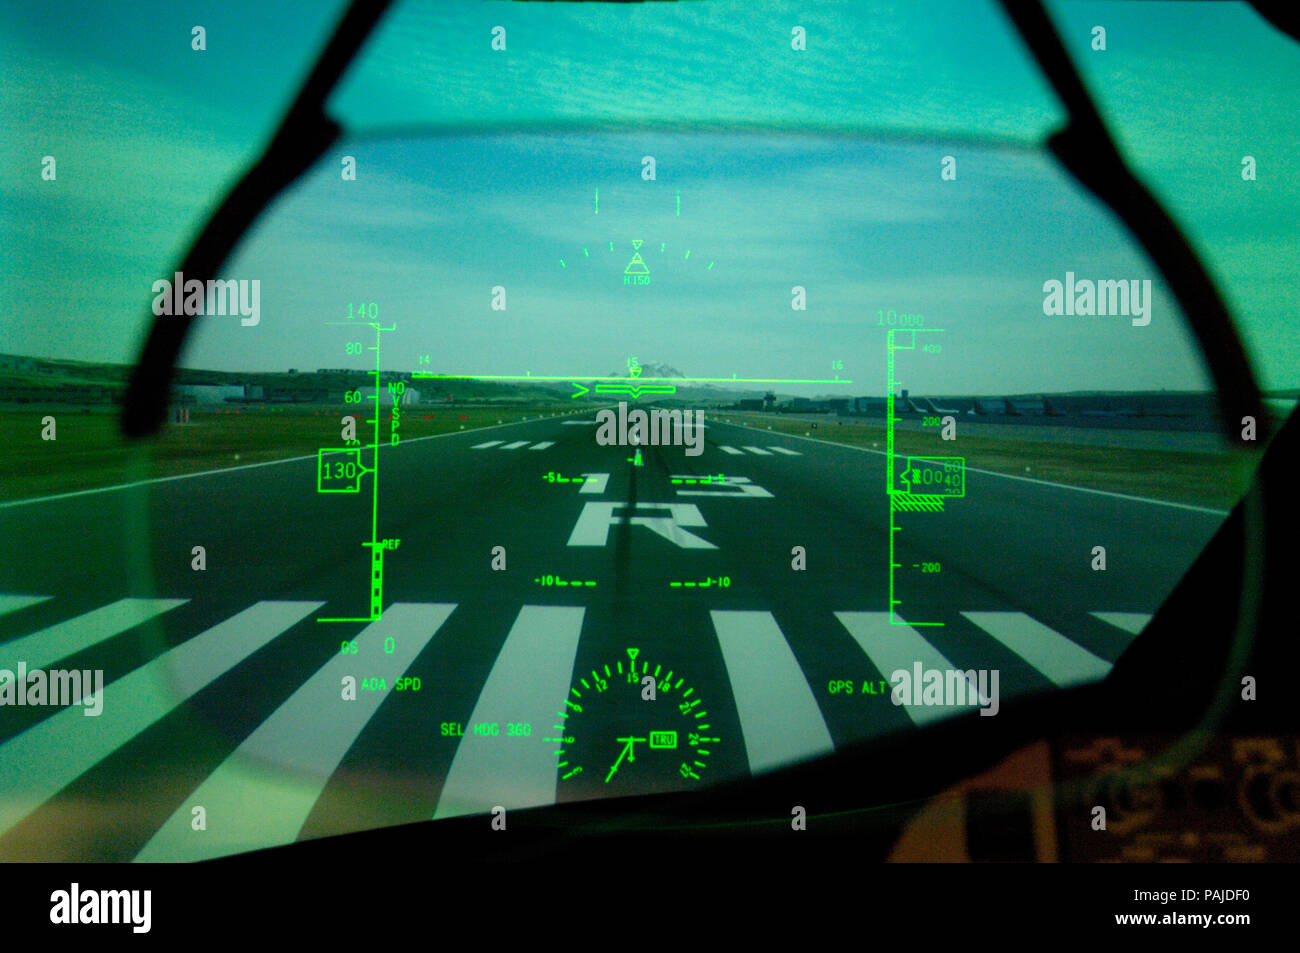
(733, 486)
(592, 528)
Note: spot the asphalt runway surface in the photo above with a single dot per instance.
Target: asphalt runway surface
(226, 725)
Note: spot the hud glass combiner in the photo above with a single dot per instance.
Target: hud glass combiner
(1083, 147)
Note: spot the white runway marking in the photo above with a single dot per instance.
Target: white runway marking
(758, 450)
(731, 450)
(528, 683)
(262, 794)
(68, 638)
(592, 528)
(894, 647)
(1063, 662)
(595, 483)
(671, 527)
(484, 446)
(44, 759)
(14, 603)
(788, 453)
(515, 446)
(779, 717)
(1133, 622)
(732, 486)
(543, 445)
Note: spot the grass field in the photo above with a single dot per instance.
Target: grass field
(89, 452)
(1202, 479)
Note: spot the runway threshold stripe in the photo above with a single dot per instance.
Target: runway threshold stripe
(484, 446)
(1132, 622)
(529, 682)
(788, 453)
(514, 446)
(779, 717)
(263, 792)
(900, 647)
(68, 638)
(1062, 661)
(759, 450)
(543, 445)
(44, 759)
(14, 603)
(731, 450)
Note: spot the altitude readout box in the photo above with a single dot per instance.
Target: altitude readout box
(932, 476)
(339, 470)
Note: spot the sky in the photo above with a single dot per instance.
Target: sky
(435, 224)
(817, 168)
